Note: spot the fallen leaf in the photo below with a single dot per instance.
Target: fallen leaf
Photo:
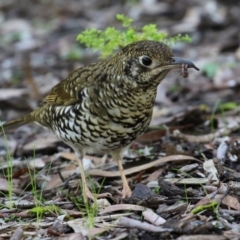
(231, 202)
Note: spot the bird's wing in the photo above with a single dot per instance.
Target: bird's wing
(67, 91)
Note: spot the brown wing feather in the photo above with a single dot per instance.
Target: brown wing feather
(60, 95)
(66, 92)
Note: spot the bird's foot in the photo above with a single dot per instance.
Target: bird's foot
(88, 195)
(93, 197)
(126, 192)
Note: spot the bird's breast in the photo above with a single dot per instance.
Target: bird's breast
(103, 123)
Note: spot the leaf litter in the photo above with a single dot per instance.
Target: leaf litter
(184, 171)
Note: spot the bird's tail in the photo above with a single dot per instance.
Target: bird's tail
(16, 122)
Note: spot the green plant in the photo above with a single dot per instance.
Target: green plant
(9, 171)
(91, 209)
(175, 89)
(142, 151)
(37, 194)
(8, 176)
(156, 190)
(229, 106)
(106, 42)
(74, 53)
(13, 217)
(39, 211)
(222, 108)
(210, 69)
(212, 205)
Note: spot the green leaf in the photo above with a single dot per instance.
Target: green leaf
(125, 20)
(229, 106)
(210, 69)
(106, 42)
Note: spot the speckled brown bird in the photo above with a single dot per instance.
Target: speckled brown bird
(103, 107)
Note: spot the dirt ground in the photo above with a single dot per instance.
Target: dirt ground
(184, 171)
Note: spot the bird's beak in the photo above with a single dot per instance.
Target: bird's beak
(181, 61)
(177, 62)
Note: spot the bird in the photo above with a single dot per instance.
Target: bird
(103, 107)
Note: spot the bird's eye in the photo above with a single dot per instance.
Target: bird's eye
(145, 61)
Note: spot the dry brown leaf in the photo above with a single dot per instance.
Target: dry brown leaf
(67, 155)
(122, 207)
(151, 136)
(132, 223)
(73, 213)
(202, 237)
(121, 236)
(231, 202)
(191, 181)
(23, 214)
(4, 186)
(102, 173)
(228, 200)
(56, 181)
(96, 231)
(172, 158)
(71, 236)
(80, 227)
(155, 175)
(209, 198)
(41, 143)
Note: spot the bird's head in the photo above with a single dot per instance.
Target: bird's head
(148, 62)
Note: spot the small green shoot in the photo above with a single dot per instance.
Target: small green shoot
(12, 218)
(40, 211)
(216, 106)
(91, 209)
(212, 206)
(111, 39)
(229, 106)
(142, 151)
(186, 193)
(222, 107)
(9, 171)
(34, 188)
(175, 89)
(11, 37)
(74, 53)
(210, 69)
(156, 190)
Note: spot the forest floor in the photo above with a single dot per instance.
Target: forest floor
(184, 171)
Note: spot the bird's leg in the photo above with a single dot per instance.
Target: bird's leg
(85, 190)
(126, 192)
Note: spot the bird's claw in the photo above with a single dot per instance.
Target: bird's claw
(93, 197)
(126, 192)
